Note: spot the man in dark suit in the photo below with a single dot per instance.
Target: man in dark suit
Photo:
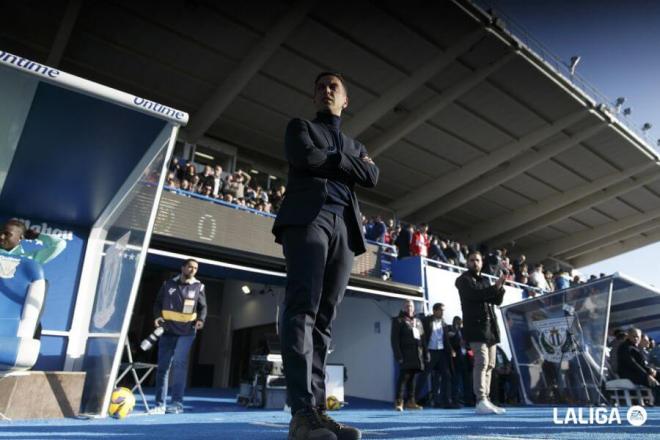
(631, 362)
(478, 297)
(440, 365)
(318, 225)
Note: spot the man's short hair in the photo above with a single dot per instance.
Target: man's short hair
(437, 306)
(338, 75)
(19, 224)
(190, 260)
(474, 253)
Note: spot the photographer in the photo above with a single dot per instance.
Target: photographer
(180, 308)
(480, 326)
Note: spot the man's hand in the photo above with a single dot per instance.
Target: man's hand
(31, 234)
(453, 354)
(500, 281)
(367, 159)
(159, 321)
(199, 325)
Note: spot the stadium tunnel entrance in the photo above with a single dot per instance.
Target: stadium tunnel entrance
(244, 305)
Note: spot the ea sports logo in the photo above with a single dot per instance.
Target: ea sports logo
(636, 415)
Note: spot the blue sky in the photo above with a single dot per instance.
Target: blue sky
(619, 43)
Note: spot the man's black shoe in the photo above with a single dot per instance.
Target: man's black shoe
(306, 424)
(343, 432)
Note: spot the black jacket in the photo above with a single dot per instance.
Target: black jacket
(428, 330)
(310, 166)
(184, 300)
(632, 364)
(409, 352)
(477, 300)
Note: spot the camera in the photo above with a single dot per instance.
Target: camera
(150, 340)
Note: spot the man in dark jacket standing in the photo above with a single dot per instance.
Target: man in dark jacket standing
(409, 348)
(480, 326)
(318, 225)
(441, 354)
(180, 308)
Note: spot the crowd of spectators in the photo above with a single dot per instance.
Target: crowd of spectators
(418, 240)
(238, 189)
(234, 188)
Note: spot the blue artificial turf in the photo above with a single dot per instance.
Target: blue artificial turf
(213, 414)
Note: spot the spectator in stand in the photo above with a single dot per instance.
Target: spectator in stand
(218, 181)
(436, 252)
(419, 245)
(261, 194)
(518, 264)
(171, 180)
(549, 281)
(522, 273)
(206, 178)
(185, 185)
(194, 184)
(450, 252)
(493, 263)
(505, 267)
(562, 280)
(378, 230)
(207, 190)
(537, 278)
(394, 233)
(229, 198)
(189, 171)
(460, 257)
(241, 181)
(526, 293)
(403, 241)
(276, 199)
(576, 281)
(175, 168)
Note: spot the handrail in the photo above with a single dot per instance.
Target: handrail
(462, 269)
(518, 32)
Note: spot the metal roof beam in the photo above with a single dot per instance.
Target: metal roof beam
(539, 211)
(426, 111)
(394, 95)
(592, 194)
(254, 60)
(507, 171)
(459, 177)
(64, 32)
(616, 249)
(564, 246)
(610, 239)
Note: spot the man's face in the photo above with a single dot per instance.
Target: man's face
(189, 269)
(635, 338)
(439, 312)
(10, 236)
(409, 308)
(644, 343)
(474, 263)
(218, 170)
(330, 95)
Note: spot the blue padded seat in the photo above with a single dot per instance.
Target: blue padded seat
(22, 294)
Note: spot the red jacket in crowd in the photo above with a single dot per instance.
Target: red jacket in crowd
(419, 245)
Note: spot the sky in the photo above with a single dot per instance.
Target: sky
(619, 45)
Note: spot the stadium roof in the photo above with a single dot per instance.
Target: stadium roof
(474, 131)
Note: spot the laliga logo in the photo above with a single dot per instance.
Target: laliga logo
(636, 416)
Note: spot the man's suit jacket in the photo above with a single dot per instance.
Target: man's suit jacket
(427, 322)
(310, 166)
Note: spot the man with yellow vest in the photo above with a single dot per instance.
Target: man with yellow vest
(180, 309)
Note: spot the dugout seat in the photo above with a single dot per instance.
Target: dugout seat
(22, 295)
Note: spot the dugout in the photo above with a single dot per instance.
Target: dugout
(83, 162)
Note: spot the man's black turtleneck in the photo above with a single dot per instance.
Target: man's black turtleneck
(339, 194)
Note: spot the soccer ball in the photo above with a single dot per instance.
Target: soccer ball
(122, 402)
(332, 403)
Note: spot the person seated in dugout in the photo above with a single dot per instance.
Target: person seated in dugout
(14, 231)
(632, 364)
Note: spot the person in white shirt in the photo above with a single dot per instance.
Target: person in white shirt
(440, 359)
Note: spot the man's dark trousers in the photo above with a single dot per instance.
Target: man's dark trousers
(440, 370)
(319, 262)
(172, 353)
